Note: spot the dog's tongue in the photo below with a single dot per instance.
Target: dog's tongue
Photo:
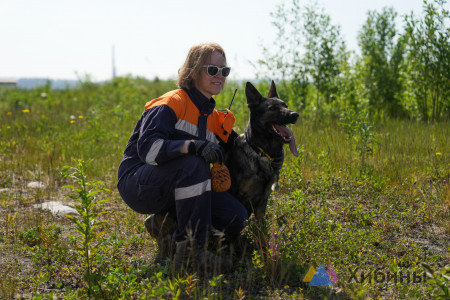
(286, 131)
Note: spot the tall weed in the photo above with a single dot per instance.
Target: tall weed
(90, 210)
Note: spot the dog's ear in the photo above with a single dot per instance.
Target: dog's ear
(252, 94)
(273, 91)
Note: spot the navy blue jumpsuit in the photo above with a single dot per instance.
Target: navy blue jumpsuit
(155, 177)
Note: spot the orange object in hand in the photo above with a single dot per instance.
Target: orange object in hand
(220, 178)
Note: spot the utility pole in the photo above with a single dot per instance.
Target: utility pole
(113, 64)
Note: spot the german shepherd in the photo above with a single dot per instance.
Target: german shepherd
(257, 156)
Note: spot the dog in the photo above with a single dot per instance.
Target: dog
(257, 155)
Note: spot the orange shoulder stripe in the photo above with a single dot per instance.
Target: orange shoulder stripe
(180, 103)
(185, 110)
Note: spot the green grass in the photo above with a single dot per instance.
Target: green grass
(382, 216)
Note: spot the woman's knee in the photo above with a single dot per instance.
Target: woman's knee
(228, 213)
(239, 221)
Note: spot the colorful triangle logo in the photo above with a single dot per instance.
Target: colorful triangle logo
(334, 278)
(321, 278)
(309, 275)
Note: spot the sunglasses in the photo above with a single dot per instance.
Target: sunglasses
(213, 70)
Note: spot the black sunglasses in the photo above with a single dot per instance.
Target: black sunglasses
(213, 70)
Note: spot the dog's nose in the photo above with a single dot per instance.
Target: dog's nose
(294, 116)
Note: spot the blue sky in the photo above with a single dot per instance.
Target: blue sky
(62, 39)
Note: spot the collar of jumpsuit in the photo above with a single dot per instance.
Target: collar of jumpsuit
(205, 106)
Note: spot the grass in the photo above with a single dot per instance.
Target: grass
(375, 219)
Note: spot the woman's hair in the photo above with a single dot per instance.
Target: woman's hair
(190, 72)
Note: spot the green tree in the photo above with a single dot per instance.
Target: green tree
(382, 60)
(283, 58)
(428, 49)
(350, 94)
(324, 53)
(307, 53)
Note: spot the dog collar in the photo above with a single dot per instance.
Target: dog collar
(275, 161)
(267, 155)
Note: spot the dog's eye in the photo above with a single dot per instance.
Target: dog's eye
(273, 107)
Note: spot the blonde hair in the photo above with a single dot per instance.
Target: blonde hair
(190, 72)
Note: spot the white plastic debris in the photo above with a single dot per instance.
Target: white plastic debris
(57, 208)
(36, 185)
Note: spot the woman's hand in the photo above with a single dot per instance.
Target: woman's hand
(185, 148)
(210, 152)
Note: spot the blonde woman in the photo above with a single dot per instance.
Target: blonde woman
(165, 171)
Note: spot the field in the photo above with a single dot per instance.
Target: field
(369, 200)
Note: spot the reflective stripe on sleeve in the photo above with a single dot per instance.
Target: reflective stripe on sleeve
(153, 152)
(192, 129)
(185, 126)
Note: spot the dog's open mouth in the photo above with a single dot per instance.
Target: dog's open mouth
(283, 131)
(287, 135)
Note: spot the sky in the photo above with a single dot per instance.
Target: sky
(68, 39)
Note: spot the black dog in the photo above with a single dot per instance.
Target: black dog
(257, 155)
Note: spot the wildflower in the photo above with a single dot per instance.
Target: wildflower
(438, 153)
(8, 127)
(25, 110)
(9, 113)
(72, 121)
(72, 117)
(80, 117)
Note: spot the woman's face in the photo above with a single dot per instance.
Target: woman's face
(212, 85)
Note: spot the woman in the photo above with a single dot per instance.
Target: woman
(166, 166)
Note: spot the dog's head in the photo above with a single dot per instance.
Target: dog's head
(270, 116)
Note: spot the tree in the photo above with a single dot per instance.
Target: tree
(324, 47)
(307, 52)
(283, 59)
(382, 59)
(428, 49)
